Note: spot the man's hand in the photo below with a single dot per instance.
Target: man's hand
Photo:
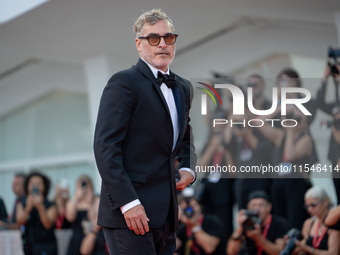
(241, 217)
(29, 203)
(255, 233)
(190, 222)
(186, 179)
(137, 220)
(300, 247)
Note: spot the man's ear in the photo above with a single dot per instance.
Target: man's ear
(270, 207)
(138, 44)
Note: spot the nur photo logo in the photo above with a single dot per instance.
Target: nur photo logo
(238, 104)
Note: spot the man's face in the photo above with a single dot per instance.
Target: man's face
(257, 86)
(285, 82)
(260, 205)
(316, 207)
(18, 186)
(159, 56)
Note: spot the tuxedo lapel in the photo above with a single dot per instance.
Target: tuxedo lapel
(143, 67)
(177, 96)
(178, 93)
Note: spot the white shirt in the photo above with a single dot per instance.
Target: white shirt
(169, 98)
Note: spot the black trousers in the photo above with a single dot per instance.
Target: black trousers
(158, 241)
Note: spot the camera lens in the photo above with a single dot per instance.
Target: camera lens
(189, 212)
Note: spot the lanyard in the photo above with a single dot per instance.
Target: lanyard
(190, 245)
(316, 240)
(264, 233)
(217, 157)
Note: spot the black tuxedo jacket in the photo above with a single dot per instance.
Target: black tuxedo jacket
(133, 146)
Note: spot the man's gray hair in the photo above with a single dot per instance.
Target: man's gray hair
(151, 17)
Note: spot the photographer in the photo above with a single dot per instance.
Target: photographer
(37, 216)
(61, 196)
(318, 238)
(333, 110)
(77, 212)
(294, 146)
(259, 232)
(199, 234)
(213, 184)
(252, 149)
(19, 192)
(3, 211)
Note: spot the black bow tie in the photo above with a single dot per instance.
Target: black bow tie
(169, 80)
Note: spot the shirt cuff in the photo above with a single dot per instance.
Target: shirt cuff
(130, 205)
(190, 171)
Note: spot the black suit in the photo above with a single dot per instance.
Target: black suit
(133, 146)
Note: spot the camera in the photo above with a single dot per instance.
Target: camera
(333, 59)
(252, 219)
(83, 184)
(188, 211)
(35, 190)
(329, 123)
(63, 188)
(188, 194)
(293, 236)
(240, 127)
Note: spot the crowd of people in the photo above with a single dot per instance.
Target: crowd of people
(278, 197)
(142, 166)
(282, 214)
(269, 206)
(259, 230)
(38, 218)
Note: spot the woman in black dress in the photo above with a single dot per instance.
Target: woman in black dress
(37, 216)
(318, 238)
(294, 148)
(77, 210)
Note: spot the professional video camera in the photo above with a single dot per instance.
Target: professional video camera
(333, 59)
(293, 236)
(252, 219)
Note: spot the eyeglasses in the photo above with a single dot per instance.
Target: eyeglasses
(313, 205)
(155, 39)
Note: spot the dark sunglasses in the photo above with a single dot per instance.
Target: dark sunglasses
(313, 205)
(155, 39)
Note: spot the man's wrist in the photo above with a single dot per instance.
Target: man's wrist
(236, 238)
(259, 239)
(312, 251)
(237, 235)
(129, 206)
(196, 229)
(190, 171)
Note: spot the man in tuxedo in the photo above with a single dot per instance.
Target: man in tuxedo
(143, 145)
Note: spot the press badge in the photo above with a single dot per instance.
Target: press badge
(245, 154)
